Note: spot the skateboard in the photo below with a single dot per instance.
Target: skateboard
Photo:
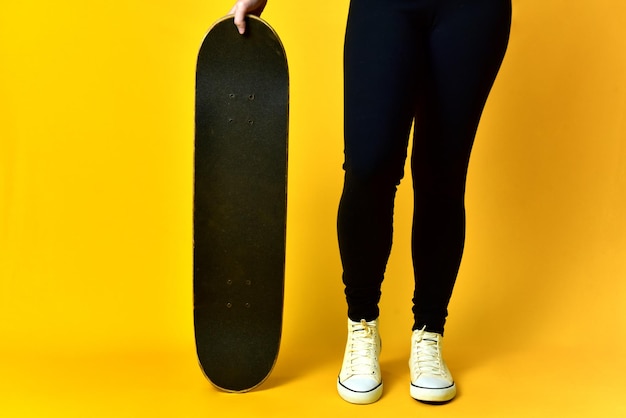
(240, 202)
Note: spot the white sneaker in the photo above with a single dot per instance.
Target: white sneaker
(431, 380)
(360, 380)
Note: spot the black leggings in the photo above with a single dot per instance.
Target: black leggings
(432, 62)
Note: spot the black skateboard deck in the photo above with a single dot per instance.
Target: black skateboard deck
(240, 198)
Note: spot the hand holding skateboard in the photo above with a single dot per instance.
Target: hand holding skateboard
(244, 7)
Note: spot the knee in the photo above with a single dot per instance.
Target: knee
(373, 171)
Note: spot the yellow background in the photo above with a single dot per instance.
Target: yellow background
(96, 148)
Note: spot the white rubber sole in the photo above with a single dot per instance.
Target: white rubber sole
(433, 395)
(359, 398)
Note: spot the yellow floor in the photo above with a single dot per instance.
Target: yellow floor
(494, 381)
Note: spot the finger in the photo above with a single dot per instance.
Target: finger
(240, 17)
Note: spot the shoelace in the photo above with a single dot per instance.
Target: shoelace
(426, 355)
(362, 349)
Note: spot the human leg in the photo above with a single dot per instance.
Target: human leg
(379, 82)
(379, 107)
(466, 46)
